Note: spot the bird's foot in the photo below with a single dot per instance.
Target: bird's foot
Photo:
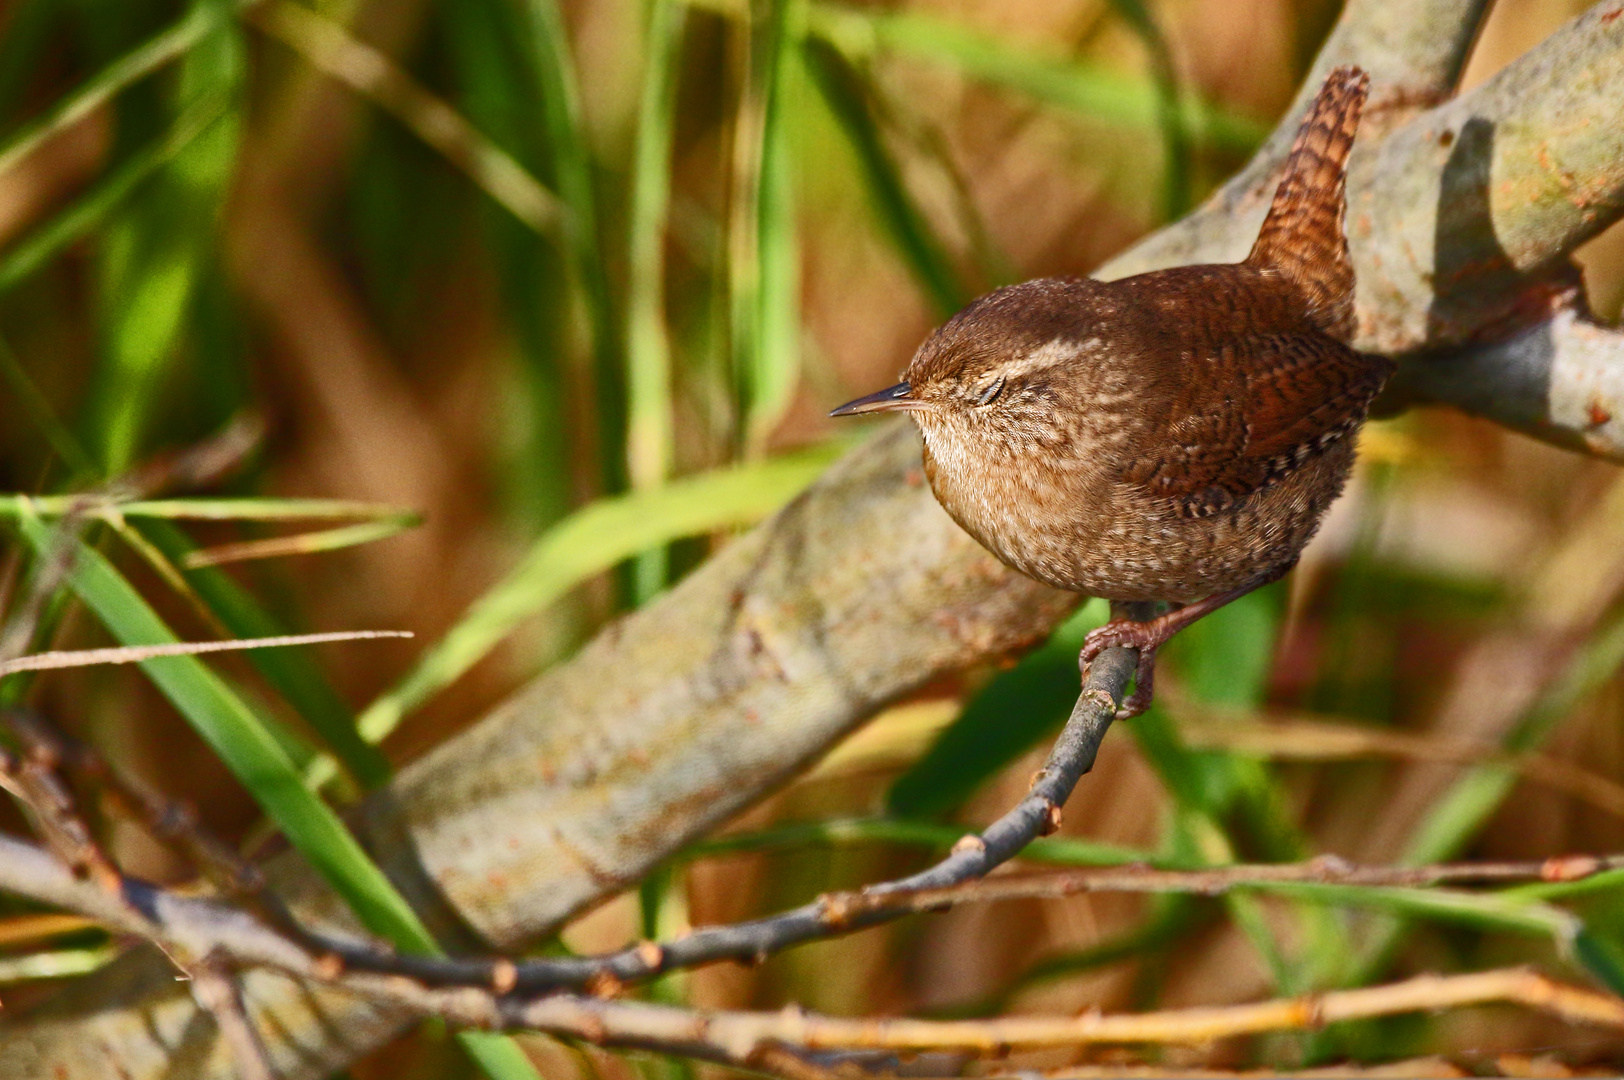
(1146, 637)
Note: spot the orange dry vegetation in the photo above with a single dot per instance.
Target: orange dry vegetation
(410, 345)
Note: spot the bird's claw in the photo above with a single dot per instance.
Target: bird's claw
(1127, 634)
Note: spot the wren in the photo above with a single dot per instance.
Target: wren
(1172, 437)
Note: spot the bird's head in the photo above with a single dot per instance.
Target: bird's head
(998, 364)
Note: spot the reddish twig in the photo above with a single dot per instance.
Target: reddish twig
(171, 821)
(217, 992)
(1215, 881)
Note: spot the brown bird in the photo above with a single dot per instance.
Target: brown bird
(1170, 437)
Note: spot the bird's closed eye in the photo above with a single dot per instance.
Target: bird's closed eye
(993, 389)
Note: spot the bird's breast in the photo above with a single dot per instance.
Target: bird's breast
(1074, 522)
(1032, 510)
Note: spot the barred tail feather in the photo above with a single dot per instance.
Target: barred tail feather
(1302, 236)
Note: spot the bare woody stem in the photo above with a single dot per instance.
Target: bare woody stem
(206, 932)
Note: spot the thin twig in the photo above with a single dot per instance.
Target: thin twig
(299, 544)
(169, 820)
(973, 857)
(199, 920)
(1427, 1068)
(135, 654)
(958, 879)
(1326, 870)
(34, 781)
(202, 464)
(741, 1035)
(217, 992)
(50, 571)
(1323, 739)
(196, 926)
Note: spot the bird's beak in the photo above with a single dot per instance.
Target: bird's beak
(891, 399)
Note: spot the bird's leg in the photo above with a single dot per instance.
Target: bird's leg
(1148, 635)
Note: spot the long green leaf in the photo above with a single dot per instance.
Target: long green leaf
(649, 415)
(157, 247)
(572, 177)
(496, 71)
(1098, 93)
(259, 762)
(206, 508)
(293, 672)
(237, 735)
(763, 270)
(1456, 817)
(846, 91)
(87, 211)
(137, 64)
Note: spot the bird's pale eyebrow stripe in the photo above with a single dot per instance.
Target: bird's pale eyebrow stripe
(1054, 351)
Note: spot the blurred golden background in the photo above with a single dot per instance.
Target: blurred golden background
(340, 231)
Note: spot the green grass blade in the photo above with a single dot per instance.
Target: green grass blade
(1478, 911)
(88, 210)
(777, 360)
(1457, 816)
(648, 348)
(572, 178)
(156, 249)
(497, 83)
(499, 1056)
(1102, 95)
(846, 91)
(260, 763)
(1602, 957)
(130, 68)
(304, 543)
(207, 508)
(237, 735)
(330, 48)
(57, 964)
(293, 673)
(649, 415)
(588, 542)
(1177, 169)
(764, 291)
